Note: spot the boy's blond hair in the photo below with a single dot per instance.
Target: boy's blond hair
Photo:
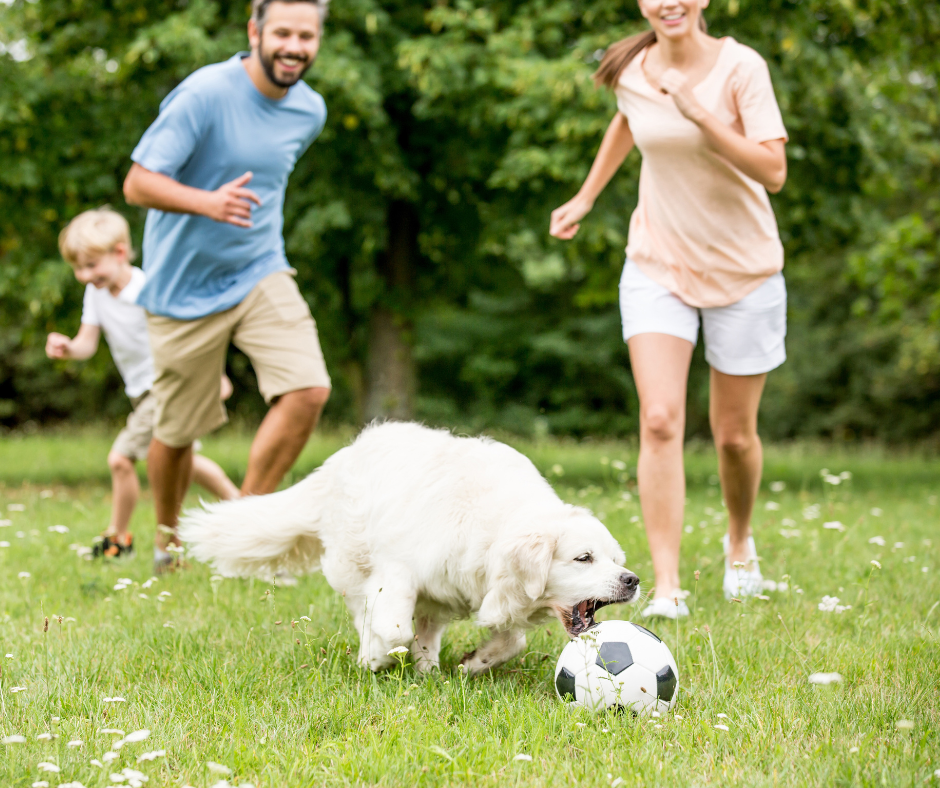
(93, 233)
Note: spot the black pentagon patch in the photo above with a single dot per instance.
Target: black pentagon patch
(665, 683)
(564, 683)
(644, 629)
(614, 657)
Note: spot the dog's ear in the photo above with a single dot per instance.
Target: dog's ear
(517, 577)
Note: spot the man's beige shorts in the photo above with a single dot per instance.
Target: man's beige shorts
(272, 326)
(134, 440)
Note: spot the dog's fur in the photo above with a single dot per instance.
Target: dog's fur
(416, 527)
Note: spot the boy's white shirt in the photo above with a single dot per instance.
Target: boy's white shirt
(124, 324)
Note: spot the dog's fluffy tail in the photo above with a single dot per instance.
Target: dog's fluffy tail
(257, 535)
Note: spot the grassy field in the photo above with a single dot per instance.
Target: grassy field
(218, 671)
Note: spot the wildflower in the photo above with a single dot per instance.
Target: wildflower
(115, 699)
(217, 768)
(904, 725)
(41, 784)
(163, 594)
(4, 544)
(876, 512)
(75, 743)
(522, 757)
(45, 766)
(811, 512)
(835, 525)
(876, 564)
(169, 625)
(618, 465)
(112, 731)
(772, 506)
(14, 690)
(67, 785)
(24, 575)
(825, 678)
(16, 507)
(722, 716)
(58, 529)
(679, 717)
(143, 596)
(149, 756)
(96, 762)
(830, 604)
(721, 727)
(45, 737)
(616, 783)
(791, 533)
(832, 479)
(898, 545)
(581, 724)
(878, 540)
(132, 738)
(14, 739)
(110, 756)
(853, 750)
(305, 618)
(398, 650)
(9, 656)
(45, 493)
(925, 569)
(778, 487)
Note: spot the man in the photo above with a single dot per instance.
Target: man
(214, 252)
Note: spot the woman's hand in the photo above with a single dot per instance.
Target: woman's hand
(676, 84)
(566, 219)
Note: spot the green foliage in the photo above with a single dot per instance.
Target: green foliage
(482, 118)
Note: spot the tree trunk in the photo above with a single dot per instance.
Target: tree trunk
(390, 366)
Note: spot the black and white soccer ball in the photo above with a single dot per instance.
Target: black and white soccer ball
(617, 664)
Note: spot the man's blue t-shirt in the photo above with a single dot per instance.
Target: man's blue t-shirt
(212, 128)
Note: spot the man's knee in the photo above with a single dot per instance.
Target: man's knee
(311, 399)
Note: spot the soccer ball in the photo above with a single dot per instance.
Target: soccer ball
(617, 664)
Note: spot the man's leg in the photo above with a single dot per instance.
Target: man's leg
(281, 437)
(169, 470)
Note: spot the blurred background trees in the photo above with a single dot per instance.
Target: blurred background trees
(418, 221)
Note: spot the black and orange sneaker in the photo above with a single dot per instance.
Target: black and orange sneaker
(113, 546)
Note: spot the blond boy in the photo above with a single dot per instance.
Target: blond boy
(96, 244)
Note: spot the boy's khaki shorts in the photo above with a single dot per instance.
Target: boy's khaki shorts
(134, 440)
(272, 326)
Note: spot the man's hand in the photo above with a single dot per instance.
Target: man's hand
(231, 202)
(674, 83)
(58, 346)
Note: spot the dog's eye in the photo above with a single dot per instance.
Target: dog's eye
(587, 558)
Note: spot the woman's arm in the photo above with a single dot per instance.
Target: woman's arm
(617, 143)
(765, 162)
(230, 203)
(85, 344)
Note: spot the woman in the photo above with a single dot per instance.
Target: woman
(703, 248)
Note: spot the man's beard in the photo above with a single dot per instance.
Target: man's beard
(267, 63)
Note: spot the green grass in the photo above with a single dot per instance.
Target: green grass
(214, 676)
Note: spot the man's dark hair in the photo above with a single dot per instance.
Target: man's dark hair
(259, 9)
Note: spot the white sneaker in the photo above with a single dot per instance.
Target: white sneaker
(740, 582)
(664, 607)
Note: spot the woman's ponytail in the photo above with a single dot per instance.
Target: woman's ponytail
(618, 55)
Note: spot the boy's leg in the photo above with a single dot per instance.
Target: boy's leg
(125, 490)
(277, 332)
(208, 475)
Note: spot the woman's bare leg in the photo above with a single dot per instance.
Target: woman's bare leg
(734, 401)
(660, 364)
(208, 475)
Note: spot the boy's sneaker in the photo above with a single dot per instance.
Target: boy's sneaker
(106, 546)
(664, 607)
(741, 582)
(165, 561)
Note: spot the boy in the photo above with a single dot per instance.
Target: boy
(97, 245)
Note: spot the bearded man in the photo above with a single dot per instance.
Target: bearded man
(213, 169)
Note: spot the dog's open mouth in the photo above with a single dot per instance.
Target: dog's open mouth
(581, 617)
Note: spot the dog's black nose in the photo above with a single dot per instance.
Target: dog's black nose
(629, 581)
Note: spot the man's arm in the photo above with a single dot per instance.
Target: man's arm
(230, 203)
(85, 344)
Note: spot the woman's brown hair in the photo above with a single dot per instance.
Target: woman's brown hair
(618, 55)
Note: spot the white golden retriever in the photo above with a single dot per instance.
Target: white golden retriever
(415, 528)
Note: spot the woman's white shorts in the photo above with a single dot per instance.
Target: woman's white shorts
(743, 338)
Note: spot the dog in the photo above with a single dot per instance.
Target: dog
(416, 528)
